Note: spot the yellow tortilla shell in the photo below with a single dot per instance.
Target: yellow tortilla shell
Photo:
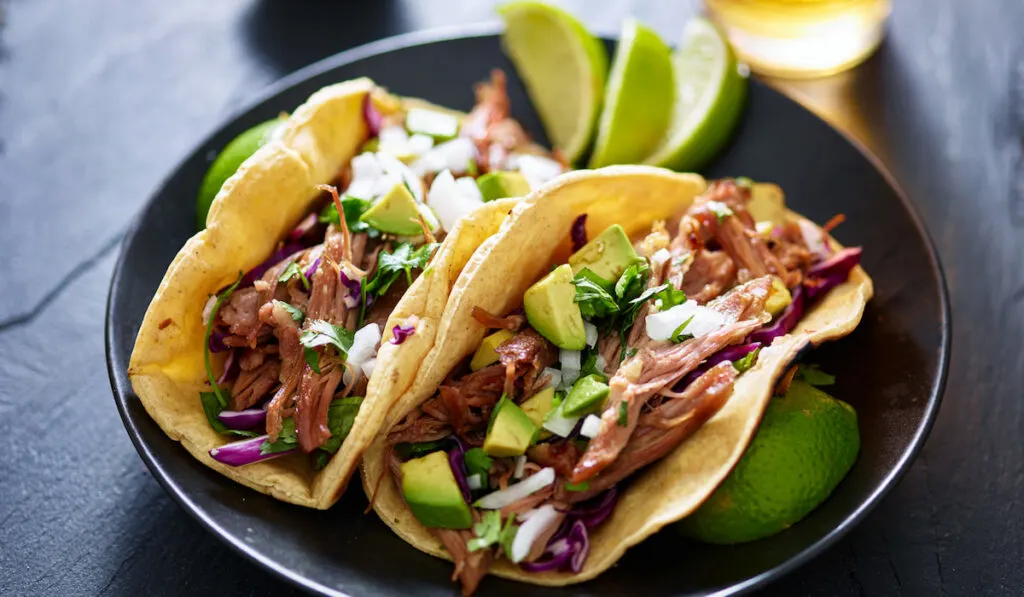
(254, 209)
(495, 279)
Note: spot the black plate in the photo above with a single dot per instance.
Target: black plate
(892, 368)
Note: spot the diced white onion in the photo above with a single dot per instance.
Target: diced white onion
(601, 363)
(474, 481)
(539, 520)
(559, 424)
(813, 238)
(661, 257)
(428, 216)
(449, 201)
(453, 155)
(661, 325)
(366, 176)
(394, 168)
(393, 140)
(520, 466)
(420, 144)
(432, 122)
(555, 377)
(364, 344)
(368, 367)
(513, 493)
(537, 170)
(763, 228)
(591, 332)
(569, 377)
(591, 425)
(208, 309)
(469, 188)
(570, 359)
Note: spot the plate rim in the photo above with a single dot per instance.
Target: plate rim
(120, 386)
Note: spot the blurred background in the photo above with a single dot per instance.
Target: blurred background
(99, 100)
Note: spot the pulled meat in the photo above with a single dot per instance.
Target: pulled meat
(709, 275)
(241, 313)
(658, 365)
(512, 322)
(286, 329)
(524, 356)
(253, 384)
(666, 426)
(489, 124)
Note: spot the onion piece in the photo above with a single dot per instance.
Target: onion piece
(454, 155)
(591, 332)
(569, 377)
(813, 238)
(395, 169)
(245, 420)
(537, 169)
(661, 257)
(474, 482)
(591, 426)
(364, 345)
(554, 377)
(208, 309)
(570, 359)
(449, 201)
(246, 451)
(368, 366)
(539, 520)
(367, 175)
(393, 140)
(702, 320)
(520, 467)
(419, 144)
(503, 497)
(559, 424)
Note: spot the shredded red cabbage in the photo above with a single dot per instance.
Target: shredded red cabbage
(246, 451)
(230, 364)
(354, 291)
(401, 333)
(311, 269)
(217, 341)
(568, 551)
(247, 419)
(374, 119)
(729, 353)
(579, 232)
(831, 272)
(457, 460)
(784, 322)
(308, 223)
(276, 257)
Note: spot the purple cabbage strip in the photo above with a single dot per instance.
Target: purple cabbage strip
(302, 229)
(354, 291)
(784, 322)
(217, 341)
(401, 333)
(457, 461)
(246, 451)
(374, 119)
(578, 232)
(571, 549)
(832, 272)
(244, 420)
(276, 257)
(729, 353)
(230, 365)
(312, 269)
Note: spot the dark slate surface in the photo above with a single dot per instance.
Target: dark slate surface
(98, 100)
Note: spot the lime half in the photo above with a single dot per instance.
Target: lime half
(564, 69)
(638, 99)
(227, 162)
(805, 445)
(709, 98)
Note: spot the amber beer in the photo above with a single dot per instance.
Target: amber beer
(801, 38)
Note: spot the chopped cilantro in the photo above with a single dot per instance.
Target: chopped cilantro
(577, 486)
(632, 280)
(312, 359)
(487, 531)
(669, 296)
(508, 535)
(594, 300)
(623, 414)
(403, 259)
(679, 335)
(354, 208)
(477, 461)
(292, 271)
(814, 376)
(631, 352)
(341, 415)
(747, 361)
(324, 333)
(589, 366)
(295, 312)
(286, 440)
(221, 297)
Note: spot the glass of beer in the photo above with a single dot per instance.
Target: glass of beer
(801, 38)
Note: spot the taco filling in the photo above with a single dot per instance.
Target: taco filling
(615, 358)
(301, 330)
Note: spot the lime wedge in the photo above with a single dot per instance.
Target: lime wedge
(709, 98)
(563, 66)
(227, 162)
(638, 99)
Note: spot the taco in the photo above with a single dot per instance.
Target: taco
(334, 247)
(582, 395)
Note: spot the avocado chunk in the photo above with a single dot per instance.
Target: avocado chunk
(485, 353)
(539, 405)
(767, 203)
(608, 255)
(551, 309)
(778, 298)
(435, 124)
(587, 395)
(510, 432)
(433, 494)
(498, 185)
(395, 212)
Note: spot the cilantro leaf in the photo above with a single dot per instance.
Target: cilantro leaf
(678, 335)
(747, 361)
(631, 352)
(354, 209)
(623, 414)
(487, 531)
(589, 366)
(669, 296)
(324, 333)
(221, 297)
(477, 461)
(595, 302)
(410, 450)
(286, 440)
(295, 312)
(402, 260)
(212, 406)
(577, 486)
(508, 535)
(293, 270)
(312, 359)
(814, 376)
(341, 414)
